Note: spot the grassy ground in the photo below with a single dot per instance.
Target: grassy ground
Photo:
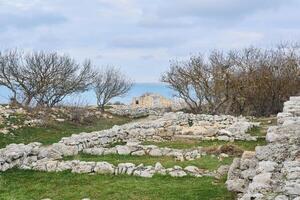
(27, 185)
(21, 184)
(205, 162)
(186, 144)
(265, 123)
(244, 145)
(54, 131)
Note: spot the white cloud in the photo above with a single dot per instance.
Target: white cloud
(141, 36)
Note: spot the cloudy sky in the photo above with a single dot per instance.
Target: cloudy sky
(141, 36)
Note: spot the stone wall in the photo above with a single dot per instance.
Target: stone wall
(272, 171)
(169, 126)
(136, 112)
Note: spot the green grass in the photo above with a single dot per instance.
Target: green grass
(53, 132)
(16, 119)
(187, 144)
(205, 162)
(244, 145)
(265, 123)
(32, 185)
(256, 131)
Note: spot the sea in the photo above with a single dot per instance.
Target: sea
(89, 98)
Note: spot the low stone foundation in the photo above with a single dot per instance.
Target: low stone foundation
(169, 126)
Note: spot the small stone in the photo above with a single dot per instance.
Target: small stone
(84, 167)
(138, 153)
(155, 152)
(104, 168)
(158, 166)
(123, 150)
(281, 197)
(177, 173)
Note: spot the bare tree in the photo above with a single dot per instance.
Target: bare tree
(110, 83)
(205, 87)
(6, 78)
(45, 78)
(251, 81)
(57, 77)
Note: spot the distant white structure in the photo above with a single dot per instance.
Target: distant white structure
(151, 100)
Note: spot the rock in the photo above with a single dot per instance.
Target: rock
(123, 150)
(94, 151)
(60, 120)
(177, 173)
(110, 151)
(51, 166)
(233, 172)
(272, 136)
(192, 170)
(179, 157)
(248, 174)
(125, 168)
(49, 152)
(158, 166)
(223, 138)
(40, 165)
(146, 173)
(260, 181)
(155, 152)
(64, 165)
(292, 187)
(281, 197)
(104, 168)
(248, 160)
(64, 149)
(224, 155)
(224, 132)
(273, 152)
(192, 155)
(237, 185)
(223, 170)
(84, 167)
(4, 131)
(138, 153)
(266, 166)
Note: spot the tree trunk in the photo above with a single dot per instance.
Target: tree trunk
(101, 107)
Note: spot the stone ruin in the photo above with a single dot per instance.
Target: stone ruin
(272, 171)
(136, 112)
(168, 127)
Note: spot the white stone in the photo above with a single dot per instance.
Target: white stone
(236, 185)
(193, 170)
(177, 173)
(83, 167)
(104, 168)
(281, 197)
(260, 181)
(123, 150)
(138, 153)
(266, 166)
(155, 152)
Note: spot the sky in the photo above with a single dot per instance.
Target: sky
(142, 36)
